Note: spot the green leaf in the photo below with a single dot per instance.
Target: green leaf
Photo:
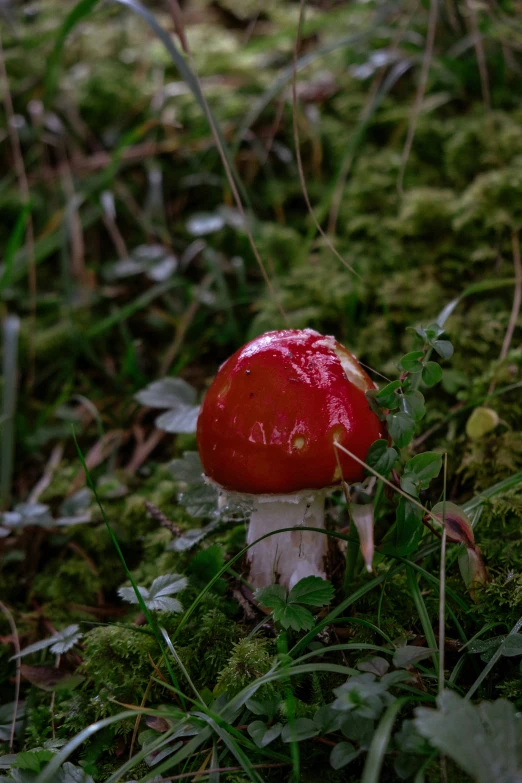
(273, 596)
(157, 597)
(59, 643)
(266, 706)
(328, 720)
(431, 373)
(262, 735)
(512, 645)
(412, 362)
(381, 458)
(425, 467)
(301, 729)
(484, 740)
(312, 591)
(342, 754)
(405, 535)
(410, 484)
(388, 397)
(294, 616)
(364, 695)
(443, 347)
(33, 760)
(433, 331)
(412, 403)
(409, 654)
(401, 427)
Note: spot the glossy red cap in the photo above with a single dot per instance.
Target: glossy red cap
(269, 420)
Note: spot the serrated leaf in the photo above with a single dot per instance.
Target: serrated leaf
(343, 754)
(273, 596)
(59, 642)
(401, 427)
(431, 373)
(412, 362)
(180, 420)
(200, 500)
(424, 467)
(262, 734)
(167, 393)
(312, 591)
(168, 584)
(294, 616)
(187, 469)
(409, 654)
(128, 594)
(33, 760)
(443, 347)
(381, 458)
(485, 740)
(412, 403)
(387, 397)
(192, 537)
(301, 729)
(164, 604)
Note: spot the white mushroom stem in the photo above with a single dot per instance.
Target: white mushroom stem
(290, 556)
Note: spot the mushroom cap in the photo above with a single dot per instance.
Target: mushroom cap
(270, 418)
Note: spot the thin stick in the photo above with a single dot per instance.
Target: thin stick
(479, 51)
(46, 478)
(515, 309)
(421, 89)
(298, 145)
(389, 483)
(224, 769)
(442, 595)
(18, 160)
(16, 644)
(178, 26)
(517, 298)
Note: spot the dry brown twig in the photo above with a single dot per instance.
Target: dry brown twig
(177, 19)
(517, 300)
(479, 51)
(16, 643)
(421, 90)
(298, 146)
(23, 185)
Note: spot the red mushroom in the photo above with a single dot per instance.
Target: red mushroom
(267, 429)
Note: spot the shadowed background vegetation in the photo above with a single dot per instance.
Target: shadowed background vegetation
(126, 259)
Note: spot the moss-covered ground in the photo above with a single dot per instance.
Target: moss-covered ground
(132, 263)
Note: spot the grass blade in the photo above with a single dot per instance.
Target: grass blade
(379, 743)
(418, 600)
(128, 574)
(14, 243)
(10, 335)
(48, 775)
(74, 17)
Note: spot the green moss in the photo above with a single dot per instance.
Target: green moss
(250, 659)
